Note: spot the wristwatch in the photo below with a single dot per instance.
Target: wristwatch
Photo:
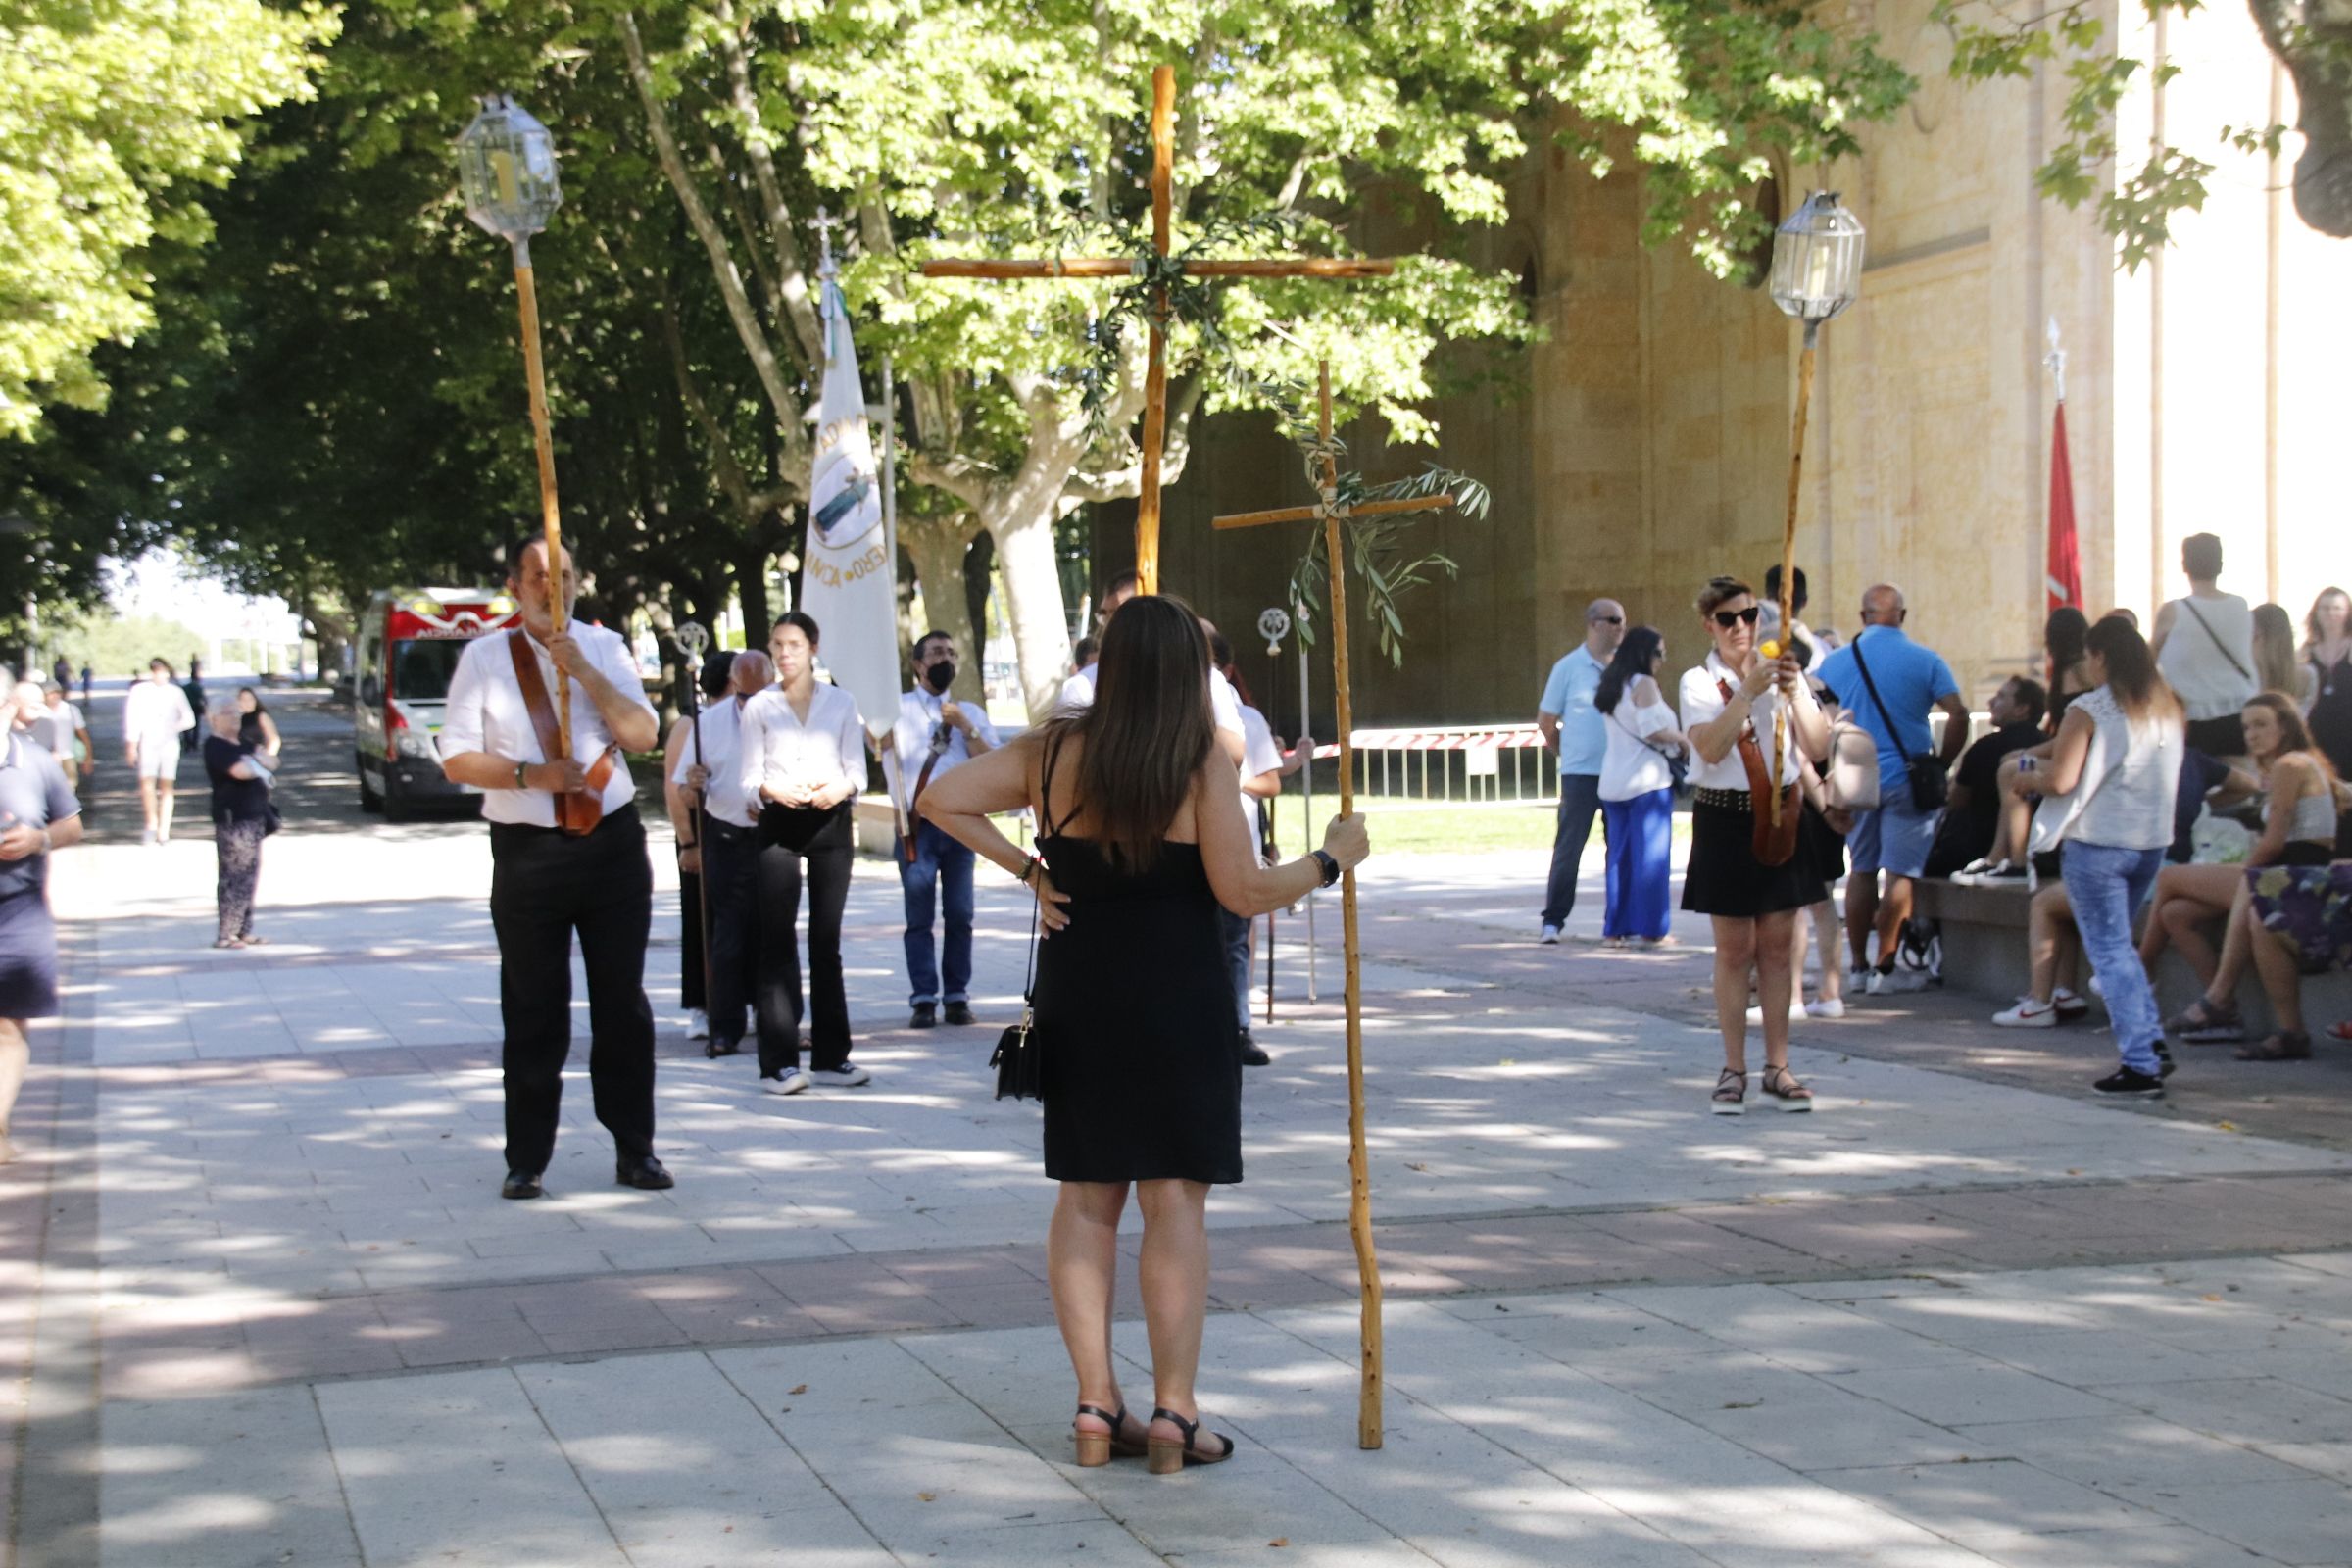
(521, 769)
(1331, 867)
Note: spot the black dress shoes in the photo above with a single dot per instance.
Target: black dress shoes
(644, 1172)
(926, 1016)
(1253, 1054)
(521, 1184)
(959, 1015)
(721, 1048)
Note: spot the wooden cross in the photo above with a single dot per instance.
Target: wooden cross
(1331, 511)
(1156, 375)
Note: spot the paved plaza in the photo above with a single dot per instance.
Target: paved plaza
(269, 1310)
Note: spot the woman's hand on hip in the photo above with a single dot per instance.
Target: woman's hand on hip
(1049, 899)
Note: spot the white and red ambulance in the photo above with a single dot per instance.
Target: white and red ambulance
(409, 644)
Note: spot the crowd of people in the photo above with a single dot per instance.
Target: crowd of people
(1812, 758)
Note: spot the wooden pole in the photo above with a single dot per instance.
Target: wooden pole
(1155, 373)
(526, 292)
(1359, 1168)
(1796, 465)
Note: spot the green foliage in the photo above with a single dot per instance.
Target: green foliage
(118, 645)
(113, 113)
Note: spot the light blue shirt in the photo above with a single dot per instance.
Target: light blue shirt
(1911, 680)
(1568, 697)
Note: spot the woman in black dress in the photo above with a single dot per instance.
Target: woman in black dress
(1140, 843)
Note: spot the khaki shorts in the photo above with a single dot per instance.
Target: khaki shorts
(160, 759)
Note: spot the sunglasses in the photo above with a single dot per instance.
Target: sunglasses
(1728, 619)
(1609, 620)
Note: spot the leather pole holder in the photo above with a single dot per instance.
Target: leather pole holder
(577, 811)
(1773, 845)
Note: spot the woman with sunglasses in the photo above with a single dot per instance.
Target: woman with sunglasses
(1730, 704)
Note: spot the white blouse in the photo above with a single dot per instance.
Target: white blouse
(1702, 703)
(1632, 766)
(775, 749)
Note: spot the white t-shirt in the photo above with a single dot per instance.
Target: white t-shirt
(1702, 703)
(486, 713)
(1632, 766)
(776, 749)
(155, 713)
(2130, 774)
(1260, 755)
(722, 790)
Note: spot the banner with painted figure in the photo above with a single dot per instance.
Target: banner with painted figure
(849, 583)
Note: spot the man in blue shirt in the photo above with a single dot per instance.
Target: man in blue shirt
(1909, 681)
(1572, 727)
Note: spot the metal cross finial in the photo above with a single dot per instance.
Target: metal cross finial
(824, 226)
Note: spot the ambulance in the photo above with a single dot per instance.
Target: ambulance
(409, 644)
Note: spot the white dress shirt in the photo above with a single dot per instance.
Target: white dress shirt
(776, 750)
(1260, 755)
(1079, 692)
(919, 730)
(486, 713)
(722, 790)
(1703, 704)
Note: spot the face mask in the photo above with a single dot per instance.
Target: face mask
(941, 675)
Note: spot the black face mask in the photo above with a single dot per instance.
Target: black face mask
(941, 675)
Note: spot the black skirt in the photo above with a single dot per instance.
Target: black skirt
(1821, 847)
(1724, 876)
(28, 955)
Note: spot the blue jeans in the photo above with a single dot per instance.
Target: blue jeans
(1640, 834)
(941, 866)
(1579, 802)
(1238, 951)
(2106, 885)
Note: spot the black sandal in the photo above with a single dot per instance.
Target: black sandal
(1731, 1094)
(1098, 1447)
(2287, 1045)
(1782, 1085)
(1169, 1457)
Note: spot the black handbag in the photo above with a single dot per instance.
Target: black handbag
(1019, 1058)
(1930, 786)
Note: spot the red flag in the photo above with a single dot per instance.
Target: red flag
(2062, 572)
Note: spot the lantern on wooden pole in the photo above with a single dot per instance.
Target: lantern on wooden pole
(507, 173)
(1816, 274)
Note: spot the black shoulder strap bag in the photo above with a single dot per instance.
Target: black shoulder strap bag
(1018, 1060)
(1930, 787)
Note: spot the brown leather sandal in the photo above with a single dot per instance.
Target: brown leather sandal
(2287, 1045)
(1782, 1085)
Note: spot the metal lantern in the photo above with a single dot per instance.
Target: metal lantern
(507, 170)
(1817, 260)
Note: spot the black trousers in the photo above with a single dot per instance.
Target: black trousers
(828, 857)
(544, 886)
(730, 869)
(691, 990)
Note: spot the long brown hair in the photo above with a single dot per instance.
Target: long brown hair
(2274, 648)
(2131, 668)
(2294, 735)
(1147, 731)
(2313, 631)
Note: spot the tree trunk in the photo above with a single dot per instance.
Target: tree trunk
(979, 565)
(1033, 601)
(937, 546)
(751, 588)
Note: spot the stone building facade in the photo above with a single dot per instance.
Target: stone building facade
(1642, 446)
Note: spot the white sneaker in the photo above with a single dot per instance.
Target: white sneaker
(1857, 980)
(2067, 1004)
(1549, 936)
(849, 1075)
(2096, 989)
(2030, 1012)
(146, 835)
(698, 1024)
(1967, 875)
(1826, 1008)
(790, 1083)
(1897, 981)
(1797, 1011)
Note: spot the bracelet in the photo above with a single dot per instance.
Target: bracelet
(520, 768)
(1029, 871)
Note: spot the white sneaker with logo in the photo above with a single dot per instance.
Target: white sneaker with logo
(2030, 1012)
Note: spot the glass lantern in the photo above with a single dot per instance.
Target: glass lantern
(1817, 260)
(507, 171)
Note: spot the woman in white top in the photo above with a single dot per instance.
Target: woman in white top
(1637, 789)
(1729, 708)
(2116, 763)
(799, 757)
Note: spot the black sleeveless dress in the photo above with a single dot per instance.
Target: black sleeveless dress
(1143, 1060)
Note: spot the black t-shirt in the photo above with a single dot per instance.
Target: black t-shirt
(234, 799)
(1968, 832)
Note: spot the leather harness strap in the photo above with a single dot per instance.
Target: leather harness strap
(577, 812)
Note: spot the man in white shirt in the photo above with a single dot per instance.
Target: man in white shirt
(1261, 780)
(589, 875)
(68, 734)
(936, 733)
(730, 853)
(155, 713)
(1079, 690)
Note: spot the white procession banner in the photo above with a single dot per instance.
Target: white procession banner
(849, 583)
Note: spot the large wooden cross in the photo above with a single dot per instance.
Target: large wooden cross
(1331, 511)
(1156, 375)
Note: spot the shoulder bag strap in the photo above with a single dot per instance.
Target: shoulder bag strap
(577, 812)
(1751, 751)
(1893, 736)
(2214, 637)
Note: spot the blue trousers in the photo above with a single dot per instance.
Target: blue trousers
(1640, 852)
(1579, 802)
(1236, 931)
(2106, 885)
(941, 871)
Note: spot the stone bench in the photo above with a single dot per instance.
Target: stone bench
(1984, 955)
